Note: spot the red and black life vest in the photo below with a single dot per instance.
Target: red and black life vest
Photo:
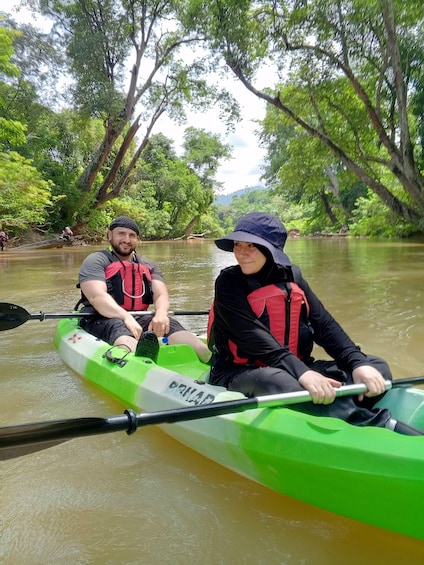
(128, 282)
(284, 309)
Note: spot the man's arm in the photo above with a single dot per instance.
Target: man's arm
(96, 293)
(160, 321)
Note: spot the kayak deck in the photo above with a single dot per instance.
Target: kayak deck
(370, 474)
(406, 404)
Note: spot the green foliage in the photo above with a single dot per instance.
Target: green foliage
(372, 218)
(104, 39)
(348, 72)
(59, 146)
(203, 151)
(25, 197)
(336, 124)
(167, 197)
(11, 130)
(173, 193)
(99, 44)
(7, 37)
(292, 215)
(98, 223)
(210, 225)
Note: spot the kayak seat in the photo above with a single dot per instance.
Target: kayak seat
(406, 405)
(417, 417)
(183, 359)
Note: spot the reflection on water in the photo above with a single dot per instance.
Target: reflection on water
(147, 499)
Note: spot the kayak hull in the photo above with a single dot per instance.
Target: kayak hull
(369, 474)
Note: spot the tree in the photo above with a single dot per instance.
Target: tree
(304, 171)
(260, 201)
(203, 152)
(126, 59)
(58, 144)
(24, 195)
(167, 197)
(346, 72)
(11, 131)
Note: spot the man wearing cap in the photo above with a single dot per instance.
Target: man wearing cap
(265, 322)
(116, 281)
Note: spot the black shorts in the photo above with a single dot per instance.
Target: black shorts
(109, 329)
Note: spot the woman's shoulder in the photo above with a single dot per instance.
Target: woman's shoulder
(228, 272)
(296, 273)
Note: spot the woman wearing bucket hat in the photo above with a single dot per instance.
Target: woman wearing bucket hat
(265, 321)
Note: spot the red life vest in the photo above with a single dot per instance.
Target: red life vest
(130, 284)
(281, 307)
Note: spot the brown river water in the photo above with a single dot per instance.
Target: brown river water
(146, 499)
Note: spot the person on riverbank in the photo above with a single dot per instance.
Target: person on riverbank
(67, 233)
(116, 281)
(3, 238)
(264, 324)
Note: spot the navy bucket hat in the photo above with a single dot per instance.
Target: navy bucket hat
(260, 229)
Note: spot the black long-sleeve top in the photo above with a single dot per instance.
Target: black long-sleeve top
(235, 320)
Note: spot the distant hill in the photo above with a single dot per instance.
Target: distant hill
(225, 199)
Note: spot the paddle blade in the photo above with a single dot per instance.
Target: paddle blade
(12, 316)
(28, 438)
(21, 450)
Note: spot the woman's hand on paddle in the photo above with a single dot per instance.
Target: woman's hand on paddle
(319, 387)
(369, 376)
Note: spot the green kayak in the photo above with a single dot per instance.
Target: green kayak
(368, 474)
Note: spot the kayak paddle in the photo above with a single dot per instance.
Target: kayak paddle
(23, 439)
(13, 316)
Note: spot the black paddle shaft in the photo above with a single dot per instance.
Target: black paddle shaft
(13, 316)
(23, 439)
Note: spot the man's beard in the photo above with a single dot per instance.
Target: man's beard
(123, 253)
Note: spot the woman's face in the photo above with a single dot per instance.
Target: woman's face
(250, 259)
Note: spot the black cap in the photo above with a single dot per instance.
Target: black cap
(125, 222)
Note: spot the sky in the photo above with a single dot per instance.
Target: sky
(244, 168)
